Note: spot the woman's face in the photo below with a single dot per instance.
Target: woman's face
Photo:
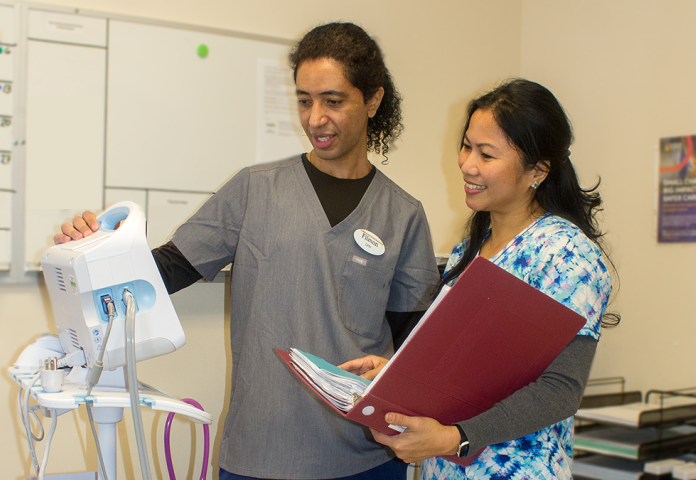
(494, 179)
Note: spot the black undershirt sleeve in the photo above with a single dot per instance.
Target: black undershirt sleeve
(553, 397)
(177, 272)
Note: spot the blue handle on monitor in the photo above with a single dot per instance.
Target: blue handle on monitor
(112, 217)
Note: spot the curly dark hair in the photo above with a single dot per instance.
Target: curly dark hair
(364, 68)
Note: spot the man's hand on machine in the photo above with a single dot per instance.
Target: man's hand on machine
(81, 227)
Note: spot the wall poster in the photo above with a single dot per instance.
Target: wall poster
(676, 213)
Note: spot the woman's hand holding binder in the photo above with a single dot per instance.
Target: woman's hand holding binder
(423, 438)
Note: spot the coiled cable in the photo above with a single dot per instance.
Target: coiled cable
(167, 449)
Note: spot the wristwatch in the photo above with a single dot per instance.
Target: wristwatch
(463, 447)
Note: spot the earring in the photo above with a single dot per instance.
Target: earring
(535, 185)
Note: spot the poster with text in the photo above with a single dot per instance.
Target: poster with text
(676, 215)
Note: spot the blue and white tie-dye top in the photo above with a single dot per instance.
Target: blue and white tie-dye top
(555, 257)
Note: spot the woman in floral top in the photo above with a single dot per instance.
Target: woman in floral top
(532, 218)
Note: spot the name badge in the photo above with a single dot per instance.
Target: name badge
(369, 242)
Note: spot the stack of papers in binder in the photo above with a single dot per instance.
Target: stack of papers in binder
(341, 388)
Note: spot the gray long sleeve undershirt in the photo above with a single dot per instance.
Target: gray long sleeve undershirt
(553, 397)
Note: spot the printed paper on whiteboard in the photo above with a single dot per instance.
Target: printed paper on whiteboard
(279, 131)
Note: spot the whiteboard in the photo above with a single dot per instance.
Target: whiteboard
(64, 138)
(177, 120)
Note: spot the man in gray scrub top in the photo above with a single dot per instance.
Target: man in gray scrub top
(328, 255)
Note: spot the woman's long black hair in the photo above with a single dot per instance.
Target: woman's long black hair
(537, 127)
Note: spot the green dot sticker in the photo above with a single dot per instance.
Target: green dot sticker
(202, 50)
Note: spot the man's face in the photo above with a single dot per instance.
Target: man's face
(332, 111)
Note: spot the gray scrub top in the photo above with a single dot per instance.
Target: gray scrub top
(297, 282)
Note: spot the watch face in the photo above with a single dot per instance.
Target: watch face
(463, 449)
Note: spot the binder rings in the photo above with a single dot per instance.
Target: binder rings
(489, 336)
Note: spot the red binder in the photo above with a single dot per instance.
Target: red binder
(490, 335)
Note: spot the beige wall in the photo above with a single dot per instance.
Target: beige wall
(623, 71)
(441, 54)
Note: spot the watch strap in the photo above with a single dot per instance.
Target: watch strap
(463, 448)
